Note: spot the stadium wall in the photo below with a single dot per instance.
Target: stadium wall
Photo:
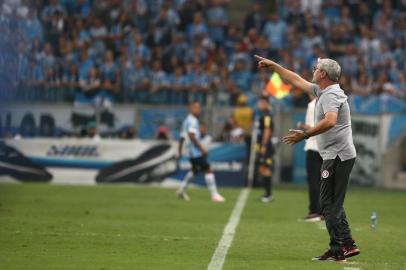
(378, 138)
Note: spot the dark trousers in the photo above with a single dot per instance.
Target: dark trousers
(333, 186)
(313, 167)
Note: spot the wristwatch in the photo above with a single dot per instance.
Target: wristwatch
(306, 135)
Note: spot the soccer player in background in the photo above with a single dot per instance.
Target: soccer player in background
(264, 147)
(191, 133)
(336, 147)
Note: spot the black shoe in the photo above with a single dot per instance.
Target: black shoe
(351, 251)
(329, 256)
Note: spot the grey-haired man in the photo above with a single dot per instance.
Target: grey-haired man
(336, 147)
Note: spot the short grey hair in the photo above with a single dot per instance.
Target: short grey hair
(331, 67)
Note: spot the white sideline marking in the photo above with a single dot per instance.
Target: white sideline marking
(219, 256)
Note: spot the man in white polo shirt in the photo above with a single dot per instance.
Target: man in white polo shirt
(336, 147)
(313, 165)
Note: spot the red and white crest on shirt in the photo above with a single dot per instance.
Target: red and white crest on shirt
(325, 174)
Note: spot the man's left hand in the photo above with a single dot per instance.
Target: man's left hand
(294, 136)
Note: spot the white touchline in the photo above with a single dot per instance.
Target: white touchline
(219, 256)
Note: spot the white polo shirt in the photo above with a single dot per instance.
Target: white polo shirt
(311, 144)
(336, 141)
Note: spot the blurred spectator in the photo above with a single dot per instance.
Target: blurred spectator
(260, 81)
(178, 86)
(224, 86)
(197, 28)
(332, 10)
(138, 48)
(217, 21)
(128, 133)
(90, 86)
(81, 8)
(55, 27)
(199, 84)
(46, 57)
(162, 28)
(362, 86)
(383, 85)
(231, 132)
(70, 80)
(314, 6)
(241, 76)
(91, 131)
(294, 16)
(31, 25)
(138, 13)
(196, 55)
(275, 30)
(186, 14)
(50, 10)
(139, 80)
(171, 14)
(163, 133)
(364, 15)
(98, 29)
(244, 117)
(159, 84)
(232, 39)
(254, 19)
(340, 38)
(205, 138)
(179, 45)
(86, 64)
(120, 31)
(311, 40)
(109, 73)
(349, 61)
(236, 133)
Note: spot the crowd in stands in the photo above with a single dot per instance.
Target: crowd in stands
(171, 52)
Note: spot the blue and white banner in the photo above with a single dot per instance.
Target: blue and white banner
(87, 161)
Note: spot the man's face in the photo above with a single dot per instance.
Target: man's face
(195, 109)
(317, 74)
(263, 104)
(91, 132)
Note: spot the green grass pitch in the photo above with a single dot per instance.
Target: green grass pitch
(127, 227)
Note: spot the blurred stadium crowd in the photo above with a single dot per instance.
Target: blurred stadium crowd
(170, 52)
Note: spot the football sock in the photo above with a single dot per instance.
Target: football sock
(185, 182)
(268, 185)
(211, 183)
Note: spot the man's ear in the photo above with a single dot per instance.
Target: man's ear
(323, 76)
